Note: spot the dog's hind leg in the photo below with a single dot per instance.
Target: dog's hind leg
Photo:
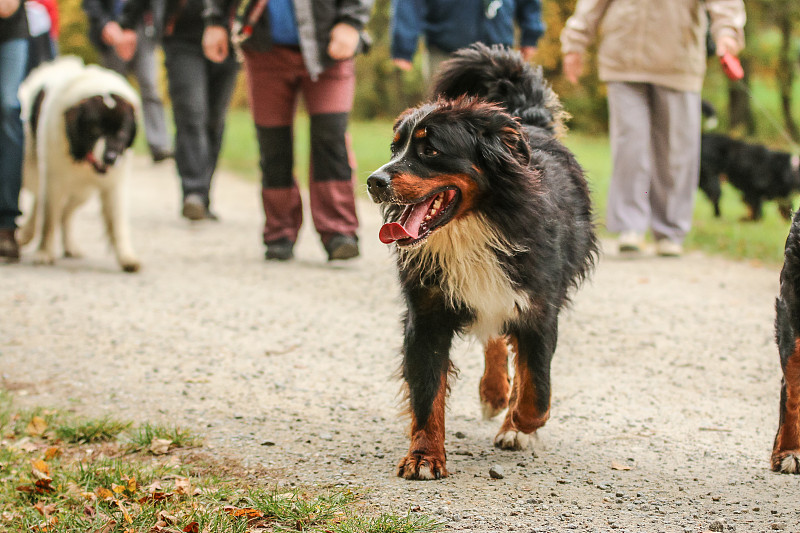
(426, 363)
(529, 406)
(786, 449)
(117, 227)
(66, 227)
(494, 386)
(53, 207)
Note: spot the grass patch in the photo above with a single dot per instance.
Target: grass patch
(105, 478)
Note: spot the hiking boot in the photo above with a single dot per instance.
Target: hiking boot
(9, 249)
(341, 247)
(630, 242)
(194, 207)
(668, 248)
(279, 250)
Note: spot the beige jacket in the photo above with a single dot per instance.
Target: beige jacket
(653, 41)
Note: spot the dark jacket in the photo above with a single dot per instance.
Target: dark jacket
(452, 24)
(174, 19)
(15, 26)
(100, 13)
(315, 19)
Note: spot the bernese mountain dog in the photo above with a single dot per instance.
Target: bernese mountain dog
(491, 220)
(786, 450)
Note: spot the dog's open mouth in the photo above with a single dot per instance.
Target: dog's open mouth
(98, 166)
(420, 219)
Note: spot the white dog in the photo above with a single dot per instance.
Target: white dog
(80, 124)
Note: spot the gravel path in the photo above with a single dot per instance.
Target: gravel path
(665, 381)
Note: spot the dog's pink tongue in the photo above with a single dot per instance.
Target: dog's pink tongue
(408, 228)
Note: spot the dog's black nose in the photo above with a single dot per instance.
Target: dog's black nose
(110, 157)
(378, 185)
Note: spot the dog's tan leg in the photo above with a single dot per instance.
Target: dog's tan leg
(529, 407)
(116, 223)
(66, 228)
(426, 457)
(494, 386)
(786, 451)
(53, 207)
(31, 184)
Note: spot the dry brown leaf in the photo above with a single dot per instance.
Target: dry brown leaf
(89, 511)
(192, 527)
(103, 493)
(89, 496)
(40, 469)
(616, 465)
(107, 527)
(51, 452)
(160, 446)
(183, 485)
(125, 514)
(36, 426)
(118, 489)
(246, 512)
(132, 485)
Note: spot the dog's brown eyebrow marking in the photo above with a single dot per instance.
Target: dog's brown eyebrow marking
(396, 137)
(421, 133)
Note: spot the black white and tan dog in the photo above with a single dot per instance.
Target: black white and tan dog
(492, 223)
(786, 450)
(80, 124)
(758, 172)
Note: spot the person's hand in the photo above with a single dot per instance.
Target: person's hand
(125, 46)
(111, 33)
(573, 66)
(215, 43)
(403, 64)
(8, 8)
(727, 45)
(527, 52)
(344, 41)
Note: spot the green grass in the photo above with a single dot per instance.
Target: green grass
(61, 473)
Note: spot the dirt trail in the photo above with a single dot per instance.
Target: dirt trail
(665, 381)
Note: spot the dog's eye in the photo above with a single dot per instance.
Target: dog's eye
(429, 151)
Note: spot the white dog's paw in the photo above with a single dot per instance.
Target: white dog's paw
(130, 264)
(73, 253)
(787, 462)
(25, 234)
(513, 440)
(43, 257)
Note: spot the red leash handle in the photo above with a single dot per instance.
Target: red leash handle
(732, 67)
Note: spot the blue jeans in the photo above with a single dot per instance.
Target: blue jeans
(13, 60)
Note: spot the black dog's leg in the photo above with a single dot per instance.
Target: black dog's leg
(785, 207)
(529, 407)
(754, 205)
(786, 450)
(429, 330)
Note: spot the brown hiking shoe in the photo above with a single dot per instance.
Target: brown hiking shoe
(9, 249)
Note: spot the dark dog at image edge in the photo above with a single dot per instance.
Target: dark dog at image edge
(786, 450)
(491, 220)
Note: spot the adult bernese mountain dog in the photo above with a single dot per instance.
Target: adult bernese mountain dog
(786, 450)
(491, 220)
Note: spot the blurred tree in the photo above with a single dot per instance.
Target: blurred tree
(74, 36)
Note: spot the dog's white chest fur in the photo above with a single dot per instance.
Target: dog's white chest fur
(466, 252)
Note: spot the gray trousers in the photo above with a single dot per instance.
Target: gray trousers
(655, 149)
(143, 66)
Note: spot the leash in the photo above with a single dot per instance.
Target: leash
(732, 68)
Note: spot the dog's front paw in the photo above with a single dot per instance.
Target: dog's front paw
(494, 396)
(513, 440)
(416, 466)
(130, 264)
(43, 257)
(786, 462)
(73, 253)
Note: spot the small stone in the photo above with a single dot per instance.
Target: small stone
(717, 525)
(496, 472)
(268, 443)
(778, 526)
(461, 435)
(326, 436)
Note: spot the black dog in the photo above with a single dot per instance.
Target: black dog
(786, 450)
(758, 172)
(492, 223)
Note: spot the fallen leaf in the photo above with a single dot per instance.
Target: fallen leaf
(192, 527)
(160, 446)
(183, 486)
(132, 486)
(107, 527)
(89, 511)
(125, 514)
(36, 426)
(103, 493)
(166, 517)
(616, 465)
(40, 469)
(118, 489)
(246, 512)
(51, 452)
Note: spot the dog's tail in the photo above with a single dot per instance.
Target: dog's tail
(500, 75)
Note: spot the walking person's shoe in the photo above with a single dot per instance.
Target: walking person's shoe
(341, 247)
(161, 154)
(630, 242)
(668, 248)
(9, 249)
(279, 250)
(194, 207)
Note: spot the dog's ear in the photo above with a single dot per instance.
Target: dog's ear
(73, 121)
(504, 142)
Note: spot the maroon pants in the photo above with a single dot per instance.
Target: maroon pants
(276, 79)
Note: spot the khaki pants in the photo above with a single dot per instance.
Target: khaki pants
(655, 148)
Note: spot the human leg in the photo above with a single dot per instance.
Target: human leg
(329, 100)
(221, 83)
(676, 154)
(146, 72)
(13, 60)
(628, 208)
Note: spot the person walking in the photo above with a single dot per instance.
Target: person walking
(448, 25)
(104, 33)
(652, 55)
(200, 91)
(13, 62)
(293, 48)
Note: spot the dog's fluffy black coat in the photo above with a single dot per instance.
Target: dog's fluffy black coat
(786, 449)
(758, 172)
(516, 204)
